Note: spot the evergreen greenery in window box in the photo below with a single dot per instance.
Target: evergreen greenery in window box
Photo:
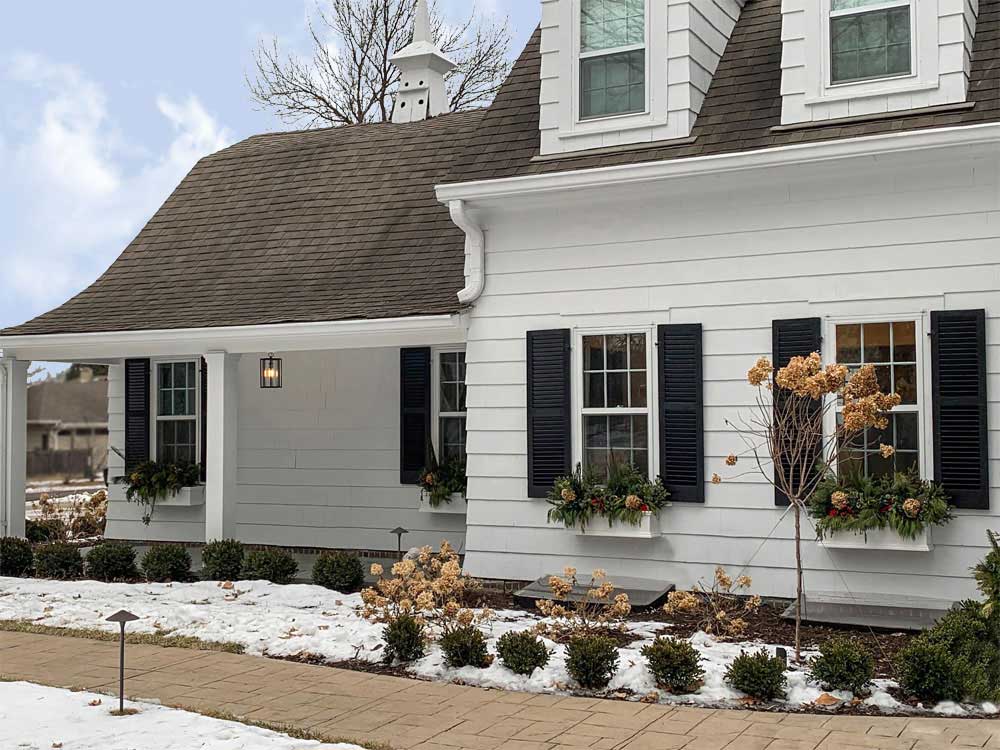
(627, 499)
(154, 482)
(442, 486)
(880, 509)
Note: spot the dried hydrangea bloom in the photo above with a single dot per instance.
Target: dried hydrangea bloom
(886, 451)
(911, 507)
(731, 460)
(569, 571)
(600, 574)
(716, 479)
(744, 582)
(633, 502)
(761, 372)
(680, 601)
(568, 495)
(839, 500)
(377, 570)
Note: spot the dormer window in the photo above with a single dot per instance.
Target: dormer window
(612, 57)
(869, 39)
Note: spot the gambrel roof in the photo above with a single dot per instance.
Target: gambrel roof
(343, 223)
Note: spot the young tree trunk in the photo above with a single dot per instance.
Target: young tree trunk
(798, 580)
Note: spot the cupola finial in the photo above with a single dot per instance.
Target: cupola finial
(422, 67)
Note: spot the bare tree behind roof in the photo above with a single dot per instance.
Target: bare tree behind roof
(349, 79)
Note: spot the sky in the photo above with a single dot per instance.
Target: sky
(105, 106)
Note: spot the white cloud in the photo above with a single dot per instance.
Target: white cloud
(76, 188)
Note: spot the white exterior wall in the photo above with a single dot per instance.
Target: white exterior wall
(943, 33)
(685, 39)
(903, 235)
(318, 461)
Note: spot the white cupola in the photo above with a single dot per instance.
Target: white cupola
(422, 66)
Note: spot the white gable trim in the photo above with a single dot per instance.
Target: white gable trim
(716, 164)
(424, 330)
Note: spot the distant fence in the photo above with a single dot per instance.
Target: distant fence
(66, 463)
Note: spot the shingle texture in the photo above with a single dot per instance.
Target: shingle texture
(742, 105)
(318, 225)
(73, 401)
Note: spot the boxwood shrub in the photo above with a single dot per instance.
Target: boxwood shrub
(465, 647)
(844, 665)
(522, 652)
(339, 571)
(274, 565)
(674, 664)
(404, 639)
(58, 560)
(222, 560)
(591, 660)
(111, 561)
(759, 675)
(15, 557)
(45, 530)
(167, 562)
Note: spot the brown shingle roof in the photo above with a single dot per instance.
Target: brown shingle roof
(73, 401)
(742, 105)
(317, 225)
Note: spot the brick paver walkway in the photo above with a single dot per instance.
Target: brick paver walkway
(431, 716)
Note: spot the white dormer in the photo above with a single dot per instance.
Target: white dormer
(618, 72)
(849, 58)
(422, 67)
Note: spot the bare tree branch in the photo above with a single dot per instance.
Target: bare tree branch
(349, 78)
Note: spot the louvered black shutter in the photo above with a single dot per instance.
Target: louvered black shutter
(549, 405)
(794, 338)
(204, 419)
(961, 439)
(136, 413)
(682, 434)
(414, 413)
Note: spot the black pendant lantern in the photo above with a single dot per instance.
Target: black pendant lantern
(270, 371)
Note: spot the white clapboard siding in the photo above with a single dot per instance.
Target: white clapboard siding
(816, 242)
(318, 461)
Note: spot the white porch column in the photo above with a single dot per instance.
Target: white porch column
(13, 439)
(222, 424)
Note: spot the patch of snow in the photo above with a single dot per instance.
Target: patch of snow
(948, 708)
(34, 717)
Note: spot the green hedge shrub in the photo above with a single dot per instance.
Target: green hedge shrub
(404, 639)
(111, 561)
(844, 665)
(522, 652)
(674, 664)
(759, 675)
(465, 647)
(338, 571)
(222, 560)
(45, 530)
(926, 671)
(167, 562)
(58, 560)
(591, 660)
(274, 565)
(15, 557)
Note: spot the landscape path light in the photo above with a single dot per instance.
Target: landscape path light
(122, 617)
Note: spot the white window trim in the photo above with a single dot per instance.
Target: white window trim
(154, 397)
(580, 56)
(924, 407)
(887, 4)
(924, 41)
(655, 113)
(652, 390)
(436, 414)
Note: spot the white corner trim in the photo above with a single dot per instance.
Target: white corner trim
(475, 252)
(766, 158)
(282, 337)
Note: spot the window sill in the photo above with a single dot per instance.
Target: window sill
(865, 90)
(860, 119)
(612, 124)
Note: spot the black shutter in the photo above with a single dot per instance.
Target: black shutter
(136, 413)
(961, 439)
(203, 459)
(414, 413)
(794, 338)
(682, 434)
(549, 405)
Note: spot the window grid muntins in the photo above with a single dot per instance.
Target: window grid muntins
(176, 413)
(892, 349)
(615, 400)
(869, 39)
(612, 57)
(451, 406)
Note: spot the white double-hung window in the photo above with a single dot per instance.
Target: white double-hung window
(176, 412)
(616, 392)
(892, 348)
(612, 57)
(449, 405)
(870, 39)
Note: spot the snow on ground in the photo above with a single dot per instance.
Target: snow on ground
(34, 717)
(272, 620)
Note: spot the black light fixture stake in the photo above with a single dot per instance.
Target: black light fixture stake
(399, 531)
(122, 617)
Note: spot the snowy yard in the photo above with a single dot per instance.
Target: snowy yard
(34, 717)
(271, 620)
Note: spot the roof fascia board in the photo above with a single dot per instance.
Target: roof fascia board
(284, 337)
(716, 164)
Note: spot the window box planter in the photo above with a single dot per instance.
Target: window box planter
(456, 507)
(186, 497)
(648, 528)
(879, 539)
